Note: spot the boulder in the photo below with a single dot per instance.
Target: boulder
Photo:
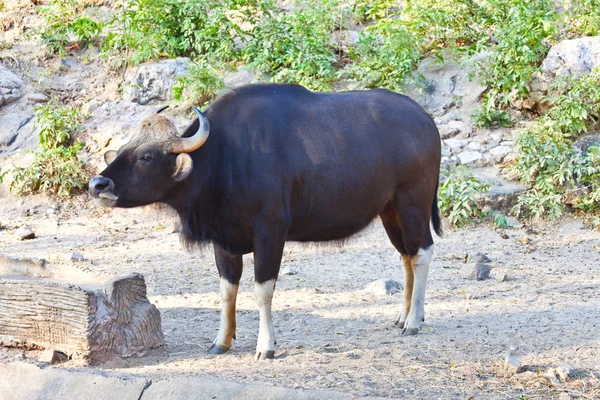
(10, 86)
(11, 124)
(152, 82)
(569, 58)
(242, 76)
(448, 85)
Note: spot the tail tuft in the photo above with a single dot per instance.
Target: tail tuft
(435, 214)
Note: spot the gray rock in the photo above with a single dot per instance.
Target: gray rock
(502, 277)
(11, 124)
(52, 357)
(242, 76)
(583, 143)
(572, 58)
(477, 271)
(77, 257)
(456, 144)
(384, 287)
(512, 222)
(10, 86)
(469, 157)
(24, 233)
(478, 257)
(512, 365)
(499, 152)
(288, 271)
(447, 132)
(37, 98)
(449, 86)
(565, 372)
(476, 146)
(154, 81)
(502, 194)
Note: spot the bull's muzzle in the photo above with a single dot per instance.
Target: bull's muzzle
(102, 187)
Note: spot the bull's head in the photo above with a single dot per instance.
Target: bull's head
(147, 167)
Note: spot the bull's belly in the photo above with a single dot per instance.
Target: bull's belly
(324, 229)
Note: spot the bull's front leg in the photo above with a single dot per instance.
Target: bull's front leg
(230, 271)
(420, 266)
(268, 250)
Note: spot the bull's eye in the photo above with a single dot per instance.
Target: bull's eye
(145, 159)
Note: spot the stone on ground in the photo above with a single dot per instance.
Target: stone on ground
(477, 271)
(24, 233)
(512, 365)
(384, 287)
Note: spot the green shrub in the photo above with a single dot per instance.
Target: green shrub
(385, 56)
(170, 28)
(57, 171)
(295, 46)
(523, 30)
(455, 24)
(485, 118)
(57, 168)
(62, 23)
(458, 196)
(200, 84)
(582, 18)
(371, 10)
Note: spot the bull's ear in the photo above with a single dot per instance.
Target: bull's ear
(110, 156)
(183, 167)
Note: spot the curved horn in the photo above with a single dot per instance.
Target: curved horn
(186, 145)
(161, 109)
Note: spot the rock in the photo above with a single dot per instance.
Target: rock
(526, 374)
(468, 157)
(583, 143)
(52, 357)
(447, 132)
(384, 287)
(475, 146)
(449, 86)
(456, 144)
(500, 151)
(512, 222)
(478, 258)
(502, 277)
(24, 233)
(564, 372)
(77, 257)
(153, 81)
(242, 76)
(512, 365)
(11, 124)
(288, 271)
(477, 271)
(572, 58)
(37, 98)
(20, 134)
(10, 86)
(502, 194)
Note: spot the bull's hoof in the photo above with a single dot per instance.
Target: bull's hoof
(218, 349)
(264, 355)
(409, 331)
(399, 324)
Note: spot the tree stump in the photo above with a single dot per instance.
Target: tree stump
(91, 320)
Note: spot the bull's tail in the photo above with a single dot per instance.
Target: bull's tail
(435, 213)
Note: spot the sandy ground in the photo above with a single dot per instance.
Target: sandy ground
(333, 334)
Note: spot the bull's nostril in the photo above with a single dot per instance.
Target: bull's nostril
(100, 183)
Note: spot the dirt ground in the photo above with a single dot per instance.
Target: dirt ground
(333, 334)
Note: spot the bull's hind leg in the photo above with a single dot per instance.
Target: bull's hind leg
(230, 271)
(418, 243)
(391, 223)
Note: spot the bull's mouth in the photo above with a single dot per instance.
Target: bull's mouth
(108, 195)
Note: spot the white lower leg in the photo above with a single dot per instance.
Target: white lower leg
(227, 328)
(265, 346)
(408, 289)
(420, 265)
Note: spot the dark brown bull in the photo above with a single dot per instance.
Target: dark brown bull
(283, 163)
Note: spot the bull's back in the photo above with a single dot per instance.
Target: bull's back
(339, 157)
